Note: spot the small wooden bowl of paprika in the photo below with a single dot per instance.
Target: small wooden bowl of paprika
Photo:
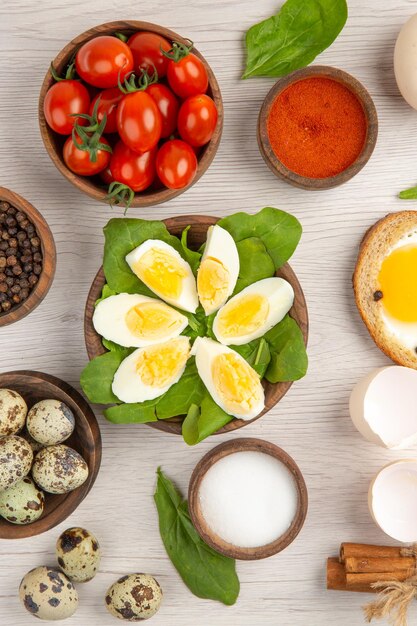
(317, 127)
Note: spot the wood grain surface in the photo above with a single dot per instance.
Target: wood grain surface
(312, 422)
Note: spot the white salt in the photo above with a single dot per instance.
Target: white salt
(248, 498)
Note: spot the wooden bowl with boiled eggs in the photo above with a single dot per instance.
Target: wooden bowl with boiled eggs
(85, 440)
(196, 237)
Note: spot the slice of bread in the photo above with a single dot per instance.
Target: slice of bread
(375, 246)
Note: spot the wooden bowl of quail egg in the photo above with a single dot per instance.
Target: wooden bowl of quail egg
(50, 452)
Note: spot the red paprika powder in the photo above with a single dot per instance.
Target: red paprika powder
(317, 127)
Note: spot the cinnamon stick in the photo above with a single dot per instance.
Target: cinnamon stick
(355, 582)
(378, 564)
(360, 550)
(336, 578)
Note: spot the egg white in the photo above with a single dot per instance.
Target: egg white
(280, 296)
(109, 320)
(188, 299)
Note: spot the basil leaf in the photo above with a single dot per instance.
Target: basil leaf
(293, 37)
(97, 376)
(255, 262)
(288, 352)
(191, 256)
(178, 399)
(279, 231)
(408, 194)
(201, 422)
(135, 413)
(206, 573)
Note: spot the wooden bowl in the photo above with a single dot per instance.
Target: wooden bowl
(49, 258)
(216, 542)
(196, 236)
(269, 156)
(94, 187)
(86, 439)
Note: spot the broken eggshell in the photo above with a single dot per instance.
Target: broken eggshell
(392, 500)
(383, 407)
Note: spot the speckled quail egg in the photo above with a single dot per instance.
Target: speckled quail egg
(50, 422)
(35, 445)
(47, 594)
(23, 503)
(59, 469)
(134, 598)
(16, 458)
(78, 554)
(13, 410)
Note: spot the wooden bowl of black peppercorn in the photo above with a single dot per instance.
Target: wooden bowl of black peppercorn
(27, 257)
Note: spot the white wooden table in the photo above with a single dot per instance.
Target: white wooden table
(312, 421)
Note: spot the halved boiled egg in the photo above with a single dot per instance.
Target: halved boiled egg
(231, 381)
(135, 321)
(149, 372)
(219, 269)
(164, 271)
(253, 311)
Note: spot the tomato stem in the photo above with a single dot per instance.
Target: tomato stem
(133, 83)
(121, 36)
(68, 75)
(90, 135)
(178, 50)
(119, 193)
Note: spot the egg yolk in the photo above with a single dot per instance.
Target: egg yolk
(157, 366)
(150, 320)
(398, 283)
(161, 272)
(213, 281)
(236, 382)
(242, 316)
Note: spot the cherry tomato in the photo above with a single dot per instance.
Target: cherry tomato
(197, 120)
(109, 101)
(176, 164)
(78, 161)
(146, 50)
(61, 101)
(168, 106)
(139, 121)
(188, 76)
(132, 169)
(100, 60)
(106, 175)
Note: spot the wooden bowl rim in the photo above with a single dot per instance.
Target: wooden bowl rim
(74, 498)
(364, 97)
(48, 252)
(86, 185)
(171, 425)
(213, 540)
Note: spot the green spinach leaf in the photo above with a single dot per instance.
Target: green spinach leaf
(257, 353)
(206, 573)
(255, 262)
(408, 194)
(289, 359)
(204, 420)
(191, 256)
(135, 413)
(106, 292)
(293, 37)
(178, 399)
(97, 376)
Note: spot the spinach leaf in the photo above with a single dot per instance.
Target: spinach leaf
(191, 256)
(257, 353)
(293, 37)
(204, 420)
(135, 413)
(408, 194)
(206, 573)
(255, 262)
(197, 324)
(288, 353)
(97, 376)
(279, 231)
(178, 399)
(106, 292)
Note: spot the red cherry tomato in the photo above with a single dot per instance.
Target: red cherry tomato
(61, 101)
(188, 76)
(132, 169)
(79, 162)
(197, 120)
(176, 164)
(146, 50)
(106, 175)
(100, 60)
(109, 101)
(168, 106)
(139, 121)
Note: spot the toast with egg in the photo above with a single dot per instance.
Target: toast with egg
(385, 285)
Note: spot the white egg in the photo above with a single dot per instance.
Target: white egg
(164, 271)
(135, 321)
(219, 269)
(253, 311)
(149, 372)
(231, 381)
(405, 61)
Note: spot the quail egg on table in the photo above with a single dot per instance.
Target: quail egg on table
(134, 597)
(22, 503)
(15, 460)
(13, 410)
(46, 593)
(59, 469)
(50, 422)
(78, 554)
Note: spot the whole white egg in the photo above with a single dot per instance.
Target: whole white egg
(231, 381)
(405, 61)
(164, 271)
(135, 321)
(253, 311)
